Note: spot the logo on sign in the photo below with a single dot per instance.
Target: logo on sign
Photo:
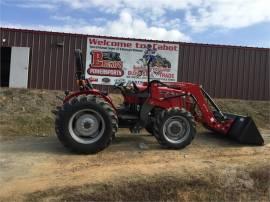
(106, 64)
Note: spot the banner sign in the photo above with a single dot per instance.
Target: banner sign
(112, 61)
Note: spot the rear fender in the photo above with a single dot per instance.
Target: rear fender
(89, 92)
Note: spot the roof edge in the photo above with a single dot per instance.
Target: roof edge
(132, 39)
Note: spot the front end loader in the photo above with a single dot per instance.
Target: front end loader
(88, 120)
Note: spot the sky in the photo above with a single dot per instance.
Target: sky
(229, 22)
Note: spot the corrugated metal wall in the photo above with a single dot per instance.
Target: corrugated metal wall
(227, 71)
(51, 66)
(224, 71)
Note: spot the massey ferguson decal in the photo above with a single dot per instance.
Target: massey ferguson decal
(123, 60)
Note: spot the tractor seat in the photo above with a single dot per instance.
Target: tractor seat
(143, 94)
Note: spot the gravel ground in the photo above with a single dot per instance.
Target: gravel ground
(39, 168)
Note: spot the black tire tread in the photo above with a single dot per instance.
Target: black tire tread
(80, 100)
(160, 116)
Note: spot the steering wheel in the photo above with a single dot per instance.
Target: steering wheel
(118, 85)
(159, 82)
(135, 87)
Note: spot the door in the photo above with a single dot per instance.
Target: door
(5, 66)
(19, 64)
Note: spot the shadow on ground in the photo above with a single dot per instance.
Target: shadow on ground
(123, 142)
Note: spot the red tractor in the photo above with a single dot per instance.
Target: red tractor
(88, 120)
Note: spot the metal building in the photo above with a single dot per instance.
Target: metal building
(45, 60)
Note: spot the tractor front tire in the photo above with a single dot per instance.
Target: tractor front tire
(149, 128)
(86, 124)
(174, 128)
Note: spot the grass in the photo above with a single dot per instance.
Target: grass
(247, 184)
(28, 112)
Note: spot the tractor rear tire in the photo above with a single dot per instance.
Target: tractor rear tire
(174, 128)
(86, 124)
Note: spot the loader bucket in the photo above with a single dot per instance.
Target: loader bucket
(244, 130)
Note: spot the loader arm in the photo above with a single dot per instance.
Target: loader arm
(241, 128)
(208, 118)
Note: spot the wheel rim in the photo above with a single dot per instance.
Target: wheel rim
(86, 126)
(176, 129)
